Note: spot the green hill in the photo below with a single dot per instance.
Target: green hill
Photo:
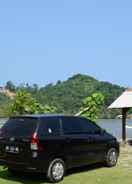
(68, 95)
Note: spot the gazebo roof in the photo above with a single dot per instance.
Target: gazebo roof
(123, 101)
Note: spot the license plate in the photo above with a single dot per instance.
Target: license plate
(12, 149)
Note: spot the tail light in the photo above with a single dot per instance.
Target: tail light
(35, 146)
(34, 142)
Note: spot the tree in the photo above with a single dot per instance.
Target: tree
(48, 109)
(10, 86)
(4, 104)
(24, 103)
(91, 106)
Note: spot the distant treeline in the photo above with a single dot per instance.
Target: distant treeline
(67, 96)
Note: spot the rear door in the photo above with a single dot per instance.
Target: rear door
(50, 139)
(15, 138)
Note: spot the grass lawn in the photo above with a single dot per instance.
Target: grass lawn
(88, 175)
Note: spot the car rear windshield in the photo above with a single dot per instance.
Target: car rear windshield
(19, 127)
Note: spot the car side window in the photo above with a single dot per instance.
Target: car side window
(89, 127)
(71, 125)
(49, 127)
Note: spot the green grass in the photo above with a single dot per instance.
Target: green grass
(87, 175)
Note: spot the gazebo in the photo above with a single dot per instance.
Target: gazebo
(124, 102)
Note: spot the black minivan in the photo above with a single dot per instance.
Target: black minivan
(52, 144)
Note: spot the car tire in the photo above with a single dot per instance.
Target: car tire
(111, 157)
(56, 170)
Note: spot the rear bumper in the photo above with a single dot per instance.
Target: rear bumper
(25, 167)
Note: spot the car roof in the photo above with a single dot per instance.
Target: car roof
(43, 115)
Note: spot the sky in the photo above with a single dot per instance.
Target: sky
(42, 41)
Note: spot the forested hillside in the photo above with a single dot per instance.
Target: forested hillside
(67, 96)
(4, 103)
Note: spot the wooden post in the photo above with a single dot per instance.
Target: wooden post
(124, 117)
